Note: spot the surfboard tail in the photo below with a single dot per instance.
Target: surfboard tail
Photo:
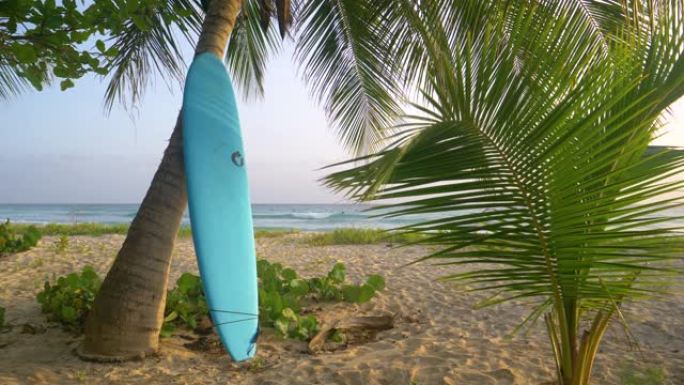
(238, 333)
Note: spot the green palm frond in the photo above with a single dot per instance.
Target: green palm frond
(147, 45)
(250, 46)
(342, 48)
(660, 51)
(413, 43)
(11, 82)
(606, 17)
(416, 45)
(540, 173)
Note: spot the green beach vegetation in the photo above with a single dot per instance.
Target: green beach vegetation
(71, 229)
(68, 300)
(532, 132)
(342, 236)
(62, 243)
(631, 375)
(360, 236)
(14, 240)
(274, 233)
(97, 229)
(282, 296)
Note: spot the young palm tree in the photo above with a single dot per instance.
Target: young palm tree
(344, 63)
(532, 136)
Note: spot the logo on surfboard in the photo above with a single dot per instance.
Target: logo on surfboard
(237, 159)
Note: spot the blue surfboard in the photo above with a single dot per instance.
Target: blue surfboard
(220, 211)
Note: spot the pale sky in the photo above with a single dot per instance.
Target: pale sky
(673, 134)
(60, 147)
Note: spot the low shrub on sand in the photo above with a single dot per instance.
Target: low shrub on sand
(282, 296)
(68, 300)
(13, 240)
(185, 304)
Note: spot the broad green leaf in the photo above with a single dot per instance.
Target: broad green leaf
(66, 84)
(351, 293)
(338, 273)
(366, 292)
(172, 316)
(377, 282)
(288, 274)
(69, 313)
(299, 287)
(25, 53)
(289, 314)
(282, 325)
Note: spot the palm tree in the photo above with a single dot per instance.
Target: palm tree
(532, 135)
(337, 43)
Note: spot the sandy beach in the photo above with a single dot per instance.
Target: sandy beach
(438, 336)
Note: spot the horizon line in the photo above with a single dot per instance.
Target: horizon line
(138, 203)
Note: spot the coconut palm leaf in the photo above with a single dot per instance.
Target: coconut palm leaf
(249, 48)
(536, 157)
(414, 45)
(604, 16)
(11, 82)
(342, 48)
(148, 45)
(408, 37)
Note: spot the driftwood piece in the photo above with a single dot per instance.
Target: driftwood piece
(318, 341)
(352, 328)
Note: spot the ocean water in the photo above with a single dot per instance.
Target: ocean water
(309, 217)
(305, 217)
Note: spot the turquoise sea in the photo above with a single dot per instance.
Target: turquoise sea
(306, 217)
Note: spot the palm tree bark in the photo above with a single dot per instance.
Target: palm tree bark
(128, 312)
(127, 315)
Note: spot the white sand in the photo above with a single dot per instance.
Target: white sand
(438, 337)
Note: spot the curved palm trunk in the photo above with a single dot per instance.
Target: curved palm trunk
(129, 310)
